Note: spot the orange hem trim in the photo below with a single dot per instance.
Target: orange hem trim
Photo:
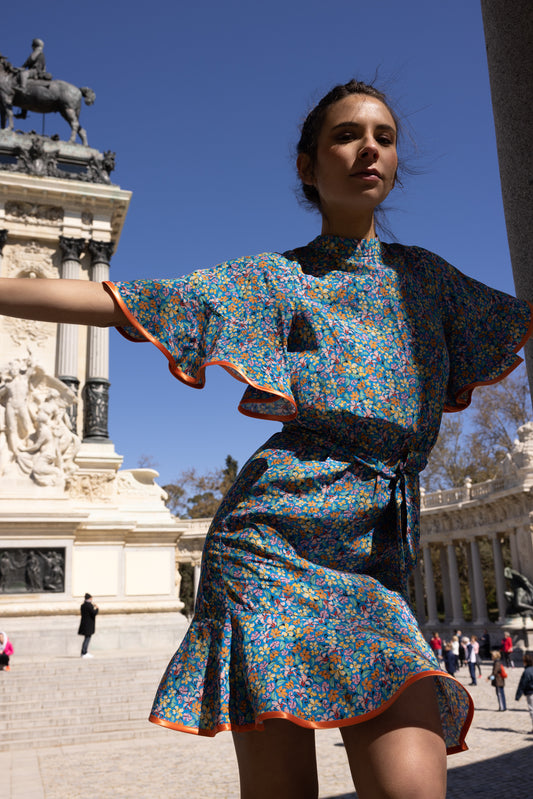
(468, 389)
(199, 380)
(321, 725)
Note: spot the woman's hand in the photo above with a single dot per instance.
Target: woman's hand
(80, 302)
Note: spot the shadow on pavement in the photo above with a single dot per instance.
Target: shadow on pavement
(509, 775)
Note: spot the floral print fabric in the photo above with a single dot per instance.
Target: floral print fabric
(358, 346)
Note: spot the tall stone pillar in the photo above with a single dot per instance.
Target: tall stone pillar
(515, 555)
(509, 40)
(419, 595)
(67, 335)
(447, 594)
(96, 390)
(431, 599)
(455, 588)
(499, 577)
(479, 589)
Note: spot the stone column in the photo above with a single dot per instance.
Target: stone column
(67, 335)
(509, 37)
(447, 594)
(500, 577)
(433, 618)
(455, 588)
(96, 390)
(515, 554)
(479, 589)
(419, 595)
(196, 579)
(473, 605)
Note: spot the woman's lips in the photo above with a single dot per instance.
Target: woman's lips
(370, 176)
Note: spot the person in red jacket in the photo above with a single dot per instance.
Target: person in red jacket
(507, 650)
(436, 645)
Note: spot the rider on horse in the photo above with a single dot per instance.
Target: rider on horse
(34, 66)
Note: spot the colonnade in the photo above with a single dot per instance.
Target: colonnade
(96, 388)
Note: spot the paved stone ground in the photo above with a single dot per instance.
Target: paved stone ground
(171, 765)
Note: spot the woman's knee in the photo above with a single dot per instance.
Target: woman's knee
(400, 754)
(278, 761)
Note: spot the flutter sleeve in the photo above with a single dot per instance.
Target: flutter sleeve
(223, 316)
(484, 329)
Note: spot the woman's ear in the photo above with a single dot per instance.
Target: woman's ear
(305, 169)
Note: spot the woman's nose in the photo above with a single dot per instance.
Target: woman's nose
(369, 151)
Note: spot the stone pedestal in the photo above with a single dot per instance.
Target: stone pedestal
(71, 520)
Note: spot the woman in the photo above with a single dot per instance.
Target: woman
(302, 619)
(475, 644)
(498, 679)
(6, 650)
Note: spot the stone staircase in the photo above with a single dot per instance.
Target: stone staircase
(73, 700)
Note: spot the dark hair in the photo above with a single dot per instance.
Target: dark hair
(312, 126)
(88, 596)
(528, 659)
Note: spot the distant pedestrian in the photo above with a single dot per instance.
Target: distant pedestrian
(470, 658)
(6, 650)
(507, 650)
(451, 661)
(475, 644)
(497, 678)
(525, 686)
(484, 645)
(436, 645)
(462, 650)
(87, 626)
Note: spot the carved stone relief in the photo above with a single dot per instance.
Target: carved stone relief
(29, 260)
(91, 487)
(34, 212)
(36, 437)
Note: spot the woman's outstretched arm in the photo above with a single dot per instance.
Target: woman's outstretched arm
(80, 302)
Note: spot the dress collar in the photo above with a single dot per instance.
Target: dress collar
(347, 250)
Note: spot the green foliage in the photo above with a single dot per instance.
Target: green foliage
(197, 496)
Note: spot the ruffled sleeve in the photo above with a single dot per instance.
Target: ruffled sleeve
(224, 316)
(484, 329)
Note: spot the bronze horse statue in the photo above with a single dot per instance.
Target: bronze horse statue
(43, 97)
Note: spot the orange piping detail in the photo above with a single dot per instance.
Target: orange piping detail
(468, 389)
(199, 380)
(318, 725)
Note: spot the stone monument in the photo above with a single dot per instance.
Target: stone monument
(70, 520)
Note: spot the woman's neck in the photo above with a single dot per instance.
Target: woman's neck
(349, 227)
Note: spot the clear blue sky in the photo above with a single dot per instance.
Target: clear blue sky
(201, 102)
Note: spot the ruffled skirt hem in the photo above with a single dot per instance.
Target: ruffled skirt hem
(323, 725)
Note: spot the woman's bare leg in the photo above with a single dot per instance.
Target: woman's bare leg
(400, 754)
(278, 762)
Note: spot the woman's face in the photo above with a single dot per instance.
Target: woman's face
(356, 158)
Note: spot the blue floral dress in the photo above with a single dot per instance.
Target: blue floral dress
(358, 347)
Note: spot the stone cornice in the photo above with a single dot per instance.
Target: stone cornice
(85, 205)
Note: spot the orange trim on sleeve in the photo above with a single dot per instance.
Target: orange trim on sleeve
(199, 380)
(322, 725)
(468, 389)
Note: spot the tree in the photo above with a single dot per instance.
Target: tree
(197, 496)
(474, 442)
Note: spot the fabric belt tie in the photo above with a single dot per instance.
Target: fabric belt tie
(411, 462)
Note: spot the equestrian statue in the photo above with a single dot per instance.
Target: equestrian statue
(32, 88)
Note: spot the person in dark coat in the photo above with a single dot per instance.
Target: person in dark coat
(525, 686)
(87, 624)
